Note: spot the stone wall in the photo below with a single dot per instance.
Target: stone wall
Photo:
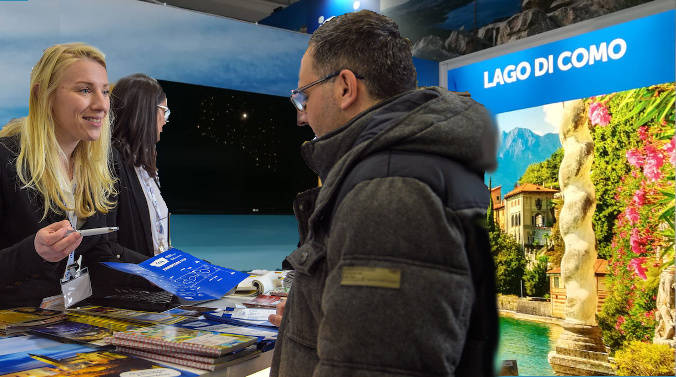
(525, 306)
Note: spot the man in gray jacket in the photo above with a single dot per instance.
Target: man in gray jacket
(394, 274)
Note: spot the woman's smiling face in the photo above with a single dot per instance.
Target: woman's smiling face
(81, 102)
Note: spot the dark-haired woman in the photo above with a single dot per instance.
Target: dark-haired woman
(140, 110)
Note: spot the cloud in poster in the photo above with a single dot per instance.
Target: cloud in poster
(165, 42)
(535, 119)
(553, 113)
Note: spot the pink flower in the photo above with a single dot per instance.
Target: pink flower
(643, 133)
(636, 265)
(620, 321)
(598, 114)
(670, 148)
(632, 215)
(636, 242)
(639, 197)
(634, 158)
(653, 162)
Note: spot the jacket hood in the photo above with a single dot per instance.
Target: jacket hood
(428, 120)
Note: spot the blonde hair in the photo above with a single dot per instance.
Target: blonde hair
(39, 162)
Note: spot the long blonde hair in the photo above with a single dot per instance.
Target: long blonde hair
(39, 162)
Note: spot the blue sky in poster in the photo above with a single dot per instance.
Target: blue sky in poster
(164, 42)
(535, 118)
(563, 70)
(14, 352)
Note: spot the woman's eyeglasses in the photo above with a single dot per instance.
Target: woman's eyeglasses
(167, 112)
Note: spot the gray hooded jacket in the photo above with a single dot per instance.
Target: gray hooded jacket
(394, 274)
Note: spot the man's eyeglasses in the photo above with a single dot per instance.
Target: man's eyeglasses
(299, 98)
(167, 112)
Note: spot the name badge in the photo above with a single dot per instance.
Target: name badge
(77, 288)
(371, 277)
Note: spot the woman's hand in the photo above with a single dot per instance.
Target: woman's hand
(54, 243)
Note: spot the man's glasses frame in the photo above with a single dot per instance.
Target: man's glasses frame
(167, 112)
(299, 98)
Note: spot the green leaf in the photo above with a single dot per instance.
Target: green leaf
(629, 96)
(668, 194)
(670, 106)
(652, 110)
(637, 109)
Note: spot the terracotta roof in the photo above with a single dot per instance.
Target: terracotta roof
(498, 206)
(529, 187)
(600, 268)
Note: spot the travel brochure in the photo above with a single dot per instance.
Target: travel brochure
(35, 356)
(184, 340)
(184, 275)
(14, 319)
(70, 331)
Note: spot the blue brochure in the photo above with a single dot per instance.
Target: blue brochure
(185, 276)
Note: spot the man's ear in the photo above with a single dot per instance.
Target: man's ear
(348, 89)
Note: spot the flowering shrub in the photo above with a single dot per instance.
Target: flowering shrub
(638, 142)
(641, 359)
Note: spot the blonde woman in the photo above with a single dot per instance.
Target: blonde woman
(55, 175)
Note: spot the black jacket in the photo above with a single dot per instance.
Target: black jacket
(132, 215)
(394, 274)
(25, 278)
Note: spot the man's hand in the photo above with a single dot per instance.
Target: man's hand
(53, 242)
(276, 319)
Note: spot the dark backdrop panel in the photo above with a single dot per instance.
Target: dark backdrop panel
(228, 151)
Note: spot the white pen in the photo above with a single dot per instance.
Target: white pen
(95, 231)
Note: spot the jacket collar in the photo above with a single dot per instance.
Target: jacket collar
(322, 153)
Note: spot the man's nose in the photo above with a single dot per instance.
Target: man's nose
(301, 118)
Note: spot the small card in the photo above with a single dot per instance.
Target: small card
(76, 289)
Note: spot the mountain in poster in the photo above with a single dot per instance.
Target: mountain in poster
(519, 148)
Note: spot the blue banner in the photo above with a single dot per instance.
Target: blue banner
(630, 55)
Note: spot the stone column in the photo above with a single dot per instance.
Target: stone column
(665, 311)
(579, 349)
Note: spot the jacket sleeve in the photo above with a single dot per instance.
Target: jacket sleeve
(398, 295)
(19, 261)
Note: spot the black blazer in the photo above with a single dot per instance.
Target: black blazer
(25, 278)
(132, 209)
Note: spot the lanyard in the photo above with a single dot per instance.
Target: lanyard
(71, 267)
(145, 177)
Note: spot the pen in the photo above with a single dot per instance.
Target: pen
(95, 231)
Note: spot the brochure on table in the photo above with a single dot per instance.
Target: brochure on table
(184, 275)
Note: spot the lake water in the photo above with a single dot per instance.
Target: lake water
(246, 242)
(528, 343)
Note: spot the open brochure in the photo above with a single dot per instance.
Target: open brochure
(184, 275)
